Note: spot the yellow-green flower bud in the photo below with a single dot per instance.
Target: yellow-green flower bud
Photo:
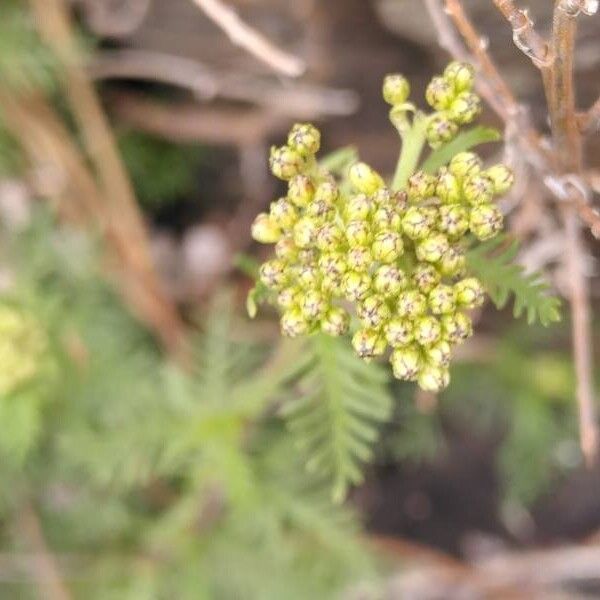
(399, 332)
(329, 237)
(308, 277)
(286, 250)
(398, 201)
(406, 363)
(358, 208)
(442, 300)
(440, 129)
(308, 256)
(359, 258)
(416, 223)
(382, 197)
(313, 305)
(333, 264)
(373, 311)
(368, 343)
(305, 138)
(333, 285)
(432, 248)
(486, 221)
(427, 331)
(433, 378)
(385, 218)
(420, 185)
(456, 328)
(464, 164)
(285, 162)
(453, 220)
(293, 323)
(425, 277)
(301, 190)
(356, 285)
(439, 354)
(469, 293)
(453, 262)
(327, 191)
(411, 304)
(461, 75)
(288, 297)
(358, 233)
(478, 189)
(389, 280)
(502, 177)
(335, 322)
(305, 231)
(465, 108)
(283, 213)
(439, 93)
(364, 178)
(274, 274)
(447, 188)
(396, 89)
(320, 210)
(264, 230)
(387, 246)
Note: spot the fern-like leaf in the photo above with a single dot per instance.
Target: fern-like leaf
(493, 263)
(335, 421)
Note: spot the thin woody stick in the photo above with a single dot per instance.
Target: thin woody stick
(251, 40)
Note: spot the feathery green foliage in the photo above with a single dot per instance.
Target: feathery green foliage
(493, 263)
(335, 420)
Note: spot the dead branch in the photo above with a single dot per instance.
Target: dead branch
(590, 119)
(241, 34)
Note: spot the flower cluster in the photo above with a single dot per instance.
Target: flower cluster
(392, 261)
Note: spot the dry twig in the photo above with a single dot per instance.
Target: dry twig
(241, 34)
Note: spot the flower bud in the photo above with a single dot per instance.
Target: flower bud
(439, 354)
(469, 293)
(364, 178)
(398, 201)
(411, 304)
(329, 237)
(273, 274)
(432, 248)
(461, 75)
(285, 162)
(264, 230)
(286, 250)
(373, 311)
(333, 285)
(382, 197)
(456, 328)
(308, 277)
(305, 138)
(464, 164)
(283, 213)
(313, 305)
(399, 332)
(427, 331)
(396, 89)
(301, 190)
(420, 185)
(433, 378)
(359, 258)
(288, 297)
(305, 231)
(425, 277)
(478, 189)
(416, 223)
(387, 246)
(486, 221)
(388, 280)
(358, 233)
(293, 323)
(385, 218)
(465, 108)
(328, 192)
(335, 322)
(440, 129)
(447, 188)
(356, 285)
(453, 220)
(333, 264)
(502, 177)
(442, 299)
(406, 363)
(439, 93)
(358, 208)
(320, 210)
(453, 262)
(307, 256)
(368, 343)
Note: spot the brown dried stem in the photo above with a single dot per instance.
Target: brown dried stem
(591, 118)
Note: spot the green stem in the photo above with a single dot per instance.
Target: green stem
(413, 140)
